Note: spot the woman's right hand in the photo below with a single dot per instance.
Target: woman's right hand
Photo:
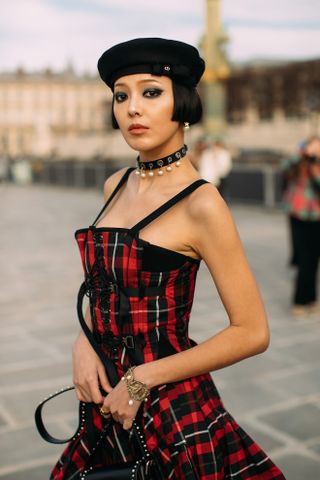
(88, 372)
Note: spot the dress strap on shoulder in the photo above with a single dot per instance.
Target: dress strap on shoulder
(123, 180)
(170, 203)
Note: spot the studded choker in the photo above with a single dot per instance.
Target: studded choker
(149, 168)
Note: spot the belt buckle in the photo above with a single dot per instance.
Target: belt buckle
(113, 287)
(128, 341)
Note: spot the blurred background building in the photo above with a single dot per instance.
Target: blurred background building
(51, 114)
(64, 115)
(271, 105)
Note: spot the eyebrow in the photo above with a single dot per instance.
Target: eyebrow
(145, 80)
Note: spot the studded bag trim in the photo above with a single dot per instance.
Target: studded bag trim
(143, 468)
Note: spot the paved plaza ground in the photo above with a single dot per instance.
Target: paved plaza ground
(274, 396)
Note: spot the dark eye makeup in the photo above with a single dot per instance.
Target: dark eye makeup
(120, 97)
(153, 92)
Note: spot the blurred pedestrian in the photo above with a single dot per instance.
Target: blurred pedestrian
(292, 238)
(302, 203)
(215, 165)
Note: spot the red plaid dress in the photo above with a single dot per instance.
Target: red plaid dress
(185, 423)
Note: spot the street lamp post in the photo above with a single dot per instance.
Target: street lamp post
(217, 71)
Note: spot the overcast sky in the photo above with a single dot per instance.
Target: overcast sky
(48, 33)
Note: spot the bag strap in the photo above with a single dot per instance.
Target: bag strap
(109, 366)
(107, 363)
(113, 379)
(39, 421)
(82, 406)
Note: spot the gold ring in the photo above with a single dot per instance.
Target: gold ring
(104, 413)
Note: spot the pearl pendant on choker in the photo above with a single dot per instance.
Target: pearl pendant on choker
(149, 169)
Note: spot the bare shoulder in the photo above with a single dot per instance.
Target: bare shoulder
(112, 181)
(213, 230)
(206, 206)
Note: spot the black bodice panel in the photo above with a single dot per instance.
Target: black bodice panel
(157, 259)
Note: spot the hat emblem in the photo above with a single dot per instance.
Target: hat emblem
(167, 68)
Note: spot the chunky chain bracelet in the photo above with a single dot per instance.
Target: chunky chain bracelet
(137, 390)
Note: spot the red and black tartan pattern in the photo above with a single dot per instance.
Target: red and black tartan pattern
(185, 423)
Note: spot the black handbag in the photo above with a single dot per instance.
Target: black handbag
(145, 468)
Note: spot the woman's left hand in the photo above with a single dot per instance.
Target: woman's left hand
(117, 404)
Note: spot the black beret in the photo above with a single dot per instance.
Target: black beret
(158, 56)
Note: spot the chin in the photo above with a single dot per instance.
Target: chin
(141, 144)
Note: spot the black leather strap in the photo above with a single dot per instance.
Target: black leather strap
(107, 363)
(39, 422)
(113, 379)
(111, 373)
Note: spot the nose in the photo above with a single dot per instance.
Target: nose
(134, 106)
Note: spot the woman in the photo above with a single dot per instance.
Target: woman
(302, 203)
(158, 223)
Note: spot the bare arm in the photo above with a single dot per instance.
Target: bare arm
(217, 242)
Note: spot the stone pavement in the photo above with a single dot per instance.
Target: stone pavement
(274, 396)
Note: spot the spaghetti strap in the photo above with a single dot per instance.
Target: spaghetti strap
(163, 208)
(123, 179)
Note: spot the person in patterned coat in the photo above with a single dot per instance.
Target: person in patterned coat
(301, 201)
(140, 258)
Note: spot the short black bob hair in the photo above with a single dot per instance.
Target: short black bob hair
(187, 105)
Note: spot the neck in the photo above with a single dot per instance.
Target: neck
(162, 150)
